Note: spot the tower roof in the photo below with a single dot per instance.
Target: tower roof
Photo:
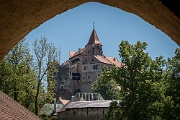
(93, 38)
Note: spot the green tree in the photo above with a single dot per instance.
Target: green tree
(142, 84)
(16, 75)
(52, 75)
(44, 55)
(5, 77)
(173, 70)
(106, 85)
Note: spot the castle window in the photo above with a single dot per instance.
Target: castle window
(89, 77)
(62, 87)
(95, 67)
(84, 67)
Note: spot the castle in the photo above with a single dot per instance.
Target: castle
(82, 68)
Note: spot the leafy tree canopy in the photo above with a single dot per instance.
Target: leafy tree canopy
(106, 85)
(142, 84)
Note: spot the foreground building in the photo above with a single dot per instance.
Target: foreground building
(84, 110)
(12, 110)
(50, 109)
(83, 67)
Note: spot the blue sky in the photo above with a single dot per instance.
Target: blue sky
(71, 30)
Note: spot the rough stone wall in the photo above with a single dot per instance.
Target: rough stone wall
(83, 114)
(63, 80)
(20, 17)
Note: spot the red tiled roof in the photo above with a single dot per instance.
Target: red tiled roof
(114, 61)
(63, 101)
(93, 38)
(73, 54)
(11, 110)
(109, 60)
(102, 59)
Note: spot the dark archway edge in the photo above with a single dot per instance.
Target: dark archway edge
(19, 17)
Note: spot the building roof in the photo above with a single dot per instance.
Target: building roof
(108, 60)
(114, 61)
(48, 109)
(87, 104)
(65, 63)
(12, 110)
(73, 53)
(63, 101)
(102, 59)
(93, 38)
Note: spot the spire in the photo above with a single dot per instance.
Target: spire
(93, 38)
(93, 26)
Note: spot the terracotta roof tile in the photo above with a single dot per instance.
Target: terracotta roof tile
(63, 101)
(108, 60)
(73, 54)
(93, 38)
(102, 59)
(114, 61)
(11, 110)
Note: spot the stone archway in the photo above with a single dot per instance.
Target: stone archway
(20, 17)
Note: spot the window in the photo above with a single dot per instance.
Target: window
(89, 77)
(95, 67)
(84, 67)
(61, 87)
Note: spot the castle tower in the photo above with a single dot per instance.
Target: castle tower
(94, 44)
(85, 65)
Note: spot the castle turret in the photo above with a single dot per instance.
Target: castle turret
(94, 39)
(94, 44)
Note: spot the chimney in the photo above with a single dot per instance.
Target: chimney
(72, 99)
(79, 50)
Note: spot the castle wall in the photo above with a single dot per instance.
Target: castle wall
(83, 114)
